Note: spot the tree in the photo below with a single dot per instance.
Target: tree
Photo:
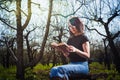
(104, 12)
(20, 27)
(39, 56)
(7, 42)
(30, 52)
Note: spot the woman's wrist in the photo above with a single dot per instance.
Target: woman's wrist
(76, 50)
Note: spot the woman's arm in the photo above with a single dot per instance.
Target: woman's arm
(86, 50)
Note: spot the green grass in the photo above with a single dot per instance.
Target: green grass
(7, 73)
(42, 67)
(41, 72)
(98, 68)
(37, 73)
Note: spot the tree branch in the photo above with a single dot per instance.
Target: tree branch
(116, 35)
(29, 50)
(65, 16)
(7, 23)
(95, 30)
(36, 4)
(23, 12)
(29, 15)
(97, 20)
(7, 9)
(9, 47)
(13, 54)
(112, 17)
(30, 31)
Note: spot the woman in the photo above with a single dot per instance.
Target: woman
(79, 52)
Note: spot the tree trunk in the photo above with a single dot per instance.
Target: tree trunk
(106, 56)
(46, 32)
(41, 52)
(19, 65)
(113, 49)
(7, 59)
(116, 55)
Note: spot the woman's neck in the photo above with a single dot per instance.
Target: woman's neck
(76, 34)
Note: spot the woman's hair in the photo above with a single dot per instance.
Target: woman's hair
(75, 21)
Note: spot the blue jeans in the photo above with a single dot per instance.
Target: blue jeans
(69, 69)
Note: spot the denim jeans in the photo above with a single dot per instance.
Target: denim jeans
(69, 69)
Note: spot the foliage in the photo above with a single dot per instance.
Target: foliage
(112, 74)
(41, 72)
(38, 72)
(7, 73)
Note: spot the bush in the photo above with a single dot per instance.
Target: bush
(112, 74)
(7, 73)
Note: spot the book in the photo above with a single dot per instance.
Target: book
(62, 46)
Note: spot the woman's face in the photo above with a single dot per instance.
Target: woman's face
(72, 28)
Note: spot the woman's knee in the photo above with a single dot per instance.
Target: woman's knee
(53, 71)
(57, 71)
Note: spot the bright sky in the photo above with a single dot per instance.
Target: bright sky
(39, 15)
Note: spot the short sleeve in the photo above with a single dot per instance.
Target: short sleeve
(84, 39)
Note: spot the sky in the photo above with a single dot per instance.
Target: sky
(39, 16)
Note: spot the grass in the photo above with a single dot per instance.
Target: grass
(7, 74)
(99, 68)
(41, 72)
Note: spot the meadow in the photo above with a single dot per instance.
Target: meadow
(41, 72)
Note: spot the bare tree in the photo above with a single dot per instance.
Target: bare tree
(20, 28)
(9, 44)
(104, 12)
(39, 56)
(29, 48)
